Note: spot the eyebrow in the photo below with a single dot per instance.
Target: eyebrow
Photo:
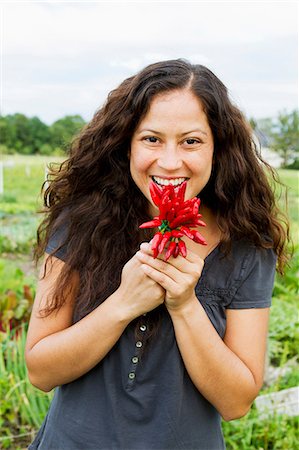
(183, 134)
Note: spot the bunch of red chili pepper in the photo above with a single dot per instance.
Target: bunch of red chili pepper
(175, 220)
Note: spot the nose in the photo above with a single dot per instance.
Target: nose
(169, 158)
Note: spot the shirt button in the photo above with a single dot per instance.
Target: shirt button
(143, 327)
(135, 359)
(138, 344)
(131, 375)
(145, 314)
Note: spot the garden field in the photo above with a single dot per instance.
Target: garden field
(22, 407)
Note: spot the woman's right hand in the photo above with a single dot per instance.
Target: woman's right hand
(138, 293)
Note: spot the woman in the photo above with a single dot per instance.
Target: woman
(147, 354)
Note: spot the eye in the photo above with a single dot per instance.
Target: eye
(151, 139)
(192, 141)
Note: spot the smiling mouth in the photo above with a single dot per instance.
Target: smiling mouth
(166, 181)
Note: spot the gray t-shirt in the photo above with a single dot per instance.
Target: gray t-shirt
(128, 403)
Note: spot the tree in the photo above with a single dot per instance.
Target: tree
(285, 136)
(253, 123)
(45, 149)
(40, 134)
(63, 130)
(22, 133)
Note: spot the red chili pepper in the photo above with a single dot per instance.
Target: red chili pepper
(152, 224)
(186, 210)
(155, 243)
(189, 202)
(176, 251)
(195, 209)
(164, 240)
(170, 190)
(164, 206)
(187, 232)
(182, 248)
(198, 216)
(170, 215)
(175, 223)
(156, 193)
(158, 189)
(177, 216)
(177, 234)
(187, 217)
(180, 220)
(200, 223)
(197, 237)
(181, 191)
(170, 250)
(194, 224)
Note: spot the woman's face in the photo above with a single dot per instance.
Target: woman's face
(171, 144)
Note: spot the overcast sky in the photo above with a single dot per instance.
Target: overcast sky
(62, 58)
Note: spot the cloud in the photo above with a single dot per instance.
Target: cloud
(74, 28)
(136, 63)
(61, 58)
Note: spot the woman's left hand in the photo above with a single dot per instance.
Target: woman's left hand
(178, 276)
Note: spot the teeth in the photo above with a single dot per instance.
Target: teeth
(173, 181)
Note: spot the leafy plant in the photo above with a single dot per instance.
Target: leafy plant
(22, 407)
(277, 432)
(15, 302)
(15, 310)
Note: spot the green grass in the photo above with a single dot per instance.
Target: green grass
(278, 432)
(22, 407)
(290, 178)
(23, 178)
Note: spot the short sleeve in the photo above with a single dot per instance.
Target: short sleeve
(57, 244)
(256, 283)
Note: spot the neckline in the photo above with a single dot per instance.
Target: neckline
(212, 252)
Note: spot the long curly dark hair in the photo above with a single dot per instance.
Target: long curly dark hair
(94, 194)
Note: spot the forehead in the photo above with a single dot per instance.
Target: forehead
(177, 108)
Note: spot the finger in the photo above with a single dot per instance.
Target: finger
(193, 263)
(162, 279)
(146, 247)
(160, 265)
(191, 256)
(183, 265)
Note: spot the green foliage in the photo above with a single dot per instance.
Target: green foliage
(285, 135)
(13, 278)
(18, 233)
(283, 330)
(63, 130)
(16, 296)
(29, 136)
(289, 203)
(294, 165)
(46, 149)
(282, 135)
(22, 407)
(278, 432)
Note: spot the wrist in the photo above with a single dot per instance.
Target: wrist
(184, 309)
(123, 313)
(126, 311)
